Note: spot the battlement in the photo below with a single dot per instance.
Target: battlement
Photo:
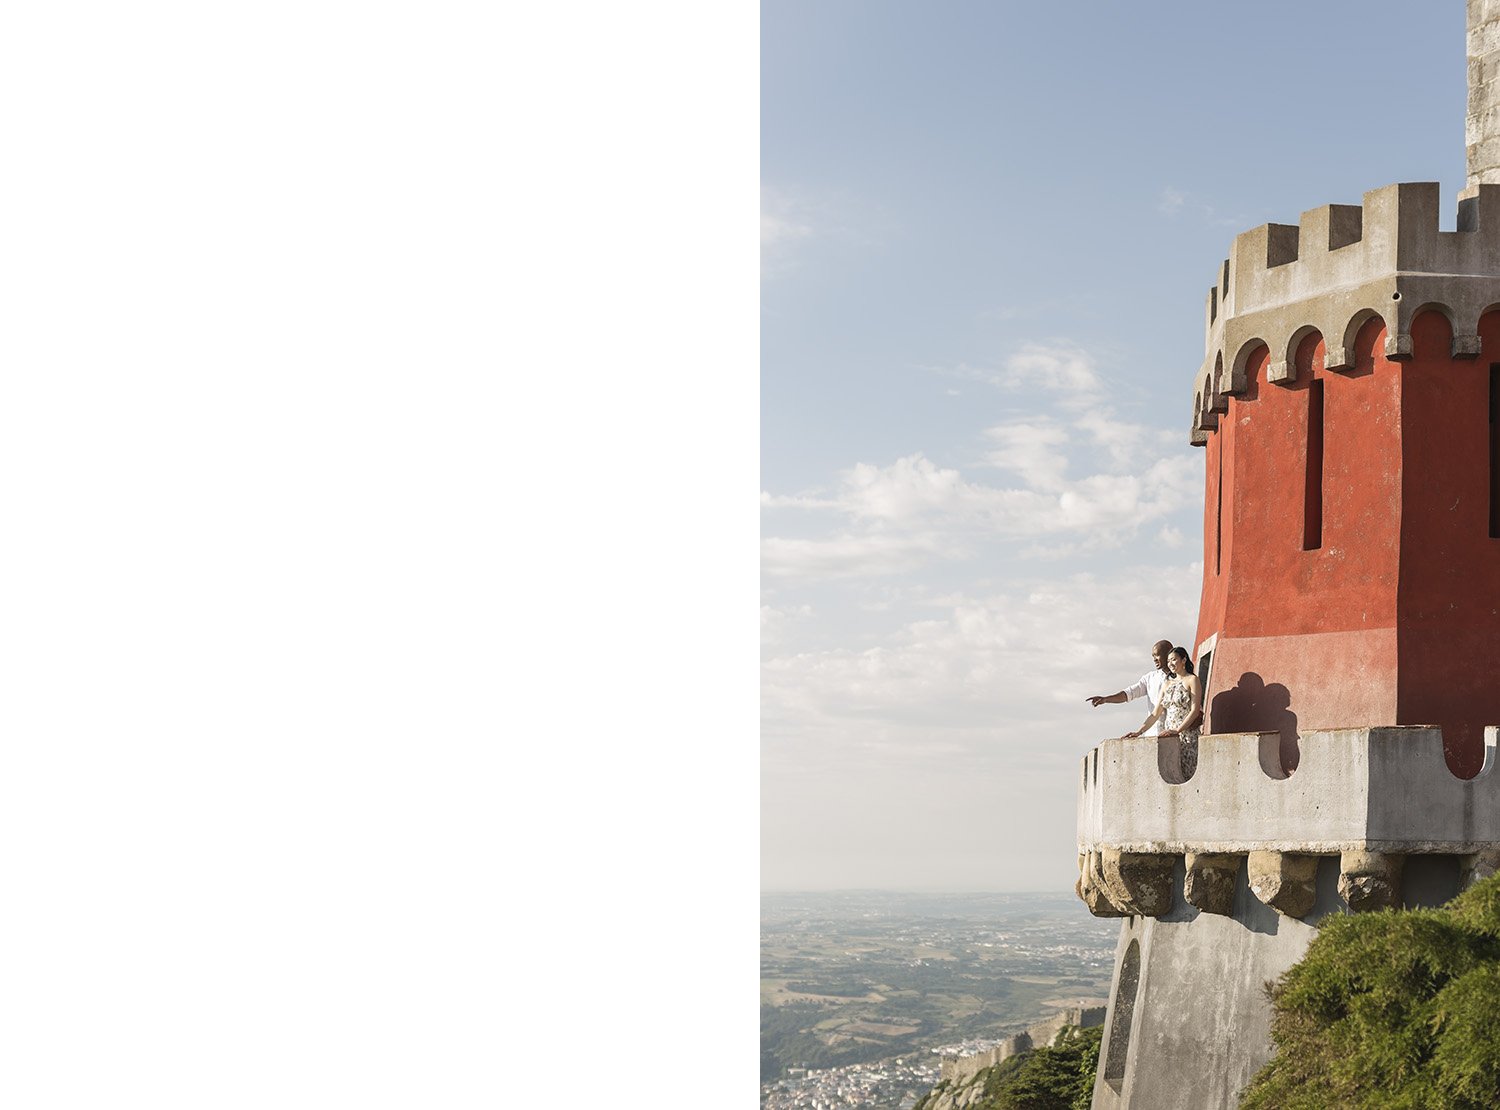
(1395, 229)
(1371, 796)
(1338, 267)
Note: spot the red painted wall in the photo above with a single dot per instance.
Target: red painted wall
(1449, 613)
(1305, 637)
(1395, 617)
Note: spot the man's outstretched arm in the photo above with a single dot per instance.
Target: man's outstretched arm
(1100, 699)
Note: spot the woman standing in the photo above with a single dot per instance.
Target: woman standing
(1181, 703)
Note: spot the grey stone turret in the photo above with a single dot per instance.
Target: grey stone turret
(1482, 125)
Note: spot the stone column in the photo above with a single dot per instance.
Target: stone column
(1482, 125)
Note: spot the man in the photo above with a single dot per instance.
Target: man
(1148, 686)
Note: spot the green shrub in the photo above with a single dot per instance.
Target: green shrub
(1059, 1076)
(1391, 1010)
(1056, 1077)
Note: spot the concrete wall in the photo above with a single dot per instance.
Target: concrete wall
(1200, 1029)
(1201, 1022)
(1383, 789)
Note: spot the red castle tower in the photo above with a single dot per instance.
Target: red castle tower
(1352, 513)
(1349, 409)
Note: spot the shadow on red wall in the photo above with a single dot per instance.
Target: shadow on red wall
(1252, 706)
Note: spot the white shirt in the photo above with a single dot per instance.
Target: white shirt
(1148, 686)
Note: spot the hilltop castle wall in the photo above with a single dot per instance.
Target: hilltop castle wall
(961, 1069)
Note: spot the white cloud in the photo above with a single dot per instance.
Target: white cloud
(774, 622)
(796, 501)
(1127, 443)
(1073, 477)
(1031, 451)
(1060, 367)
(958, 718)
(910, 489)
(785, 223)
(1173, 202)
(845, 555)
(778, 231)
(1007, 669)
(905, 514)
(795, 220)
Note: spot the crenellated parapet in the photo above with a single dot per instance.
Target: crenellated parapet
(1372, 797)
(1339, 267)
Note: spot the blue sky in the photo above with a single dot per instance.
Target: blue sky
(987, 234)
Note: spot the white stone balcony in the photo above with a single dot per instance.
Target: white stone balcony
(1374, 797)
(1380, 789)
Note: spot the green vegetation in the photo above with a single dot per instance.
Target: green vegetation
(1391, 1010)
(1055, 1077)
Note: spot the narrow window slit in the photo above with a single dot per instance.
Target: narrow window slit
(1494, 451)
(1219, 506)
(1312, 498)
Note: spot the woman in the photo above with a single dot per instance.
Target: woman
(1181, 702)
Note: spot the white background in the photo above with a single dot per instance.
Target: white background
(377, 545)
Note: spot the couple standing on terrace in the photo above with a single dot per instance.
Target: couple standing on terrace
(1175, 692)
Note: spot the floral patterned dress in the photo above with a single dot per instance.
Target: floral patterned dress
(1176, 707)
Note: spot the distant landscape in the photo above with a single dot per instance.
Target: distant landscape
(858, 977)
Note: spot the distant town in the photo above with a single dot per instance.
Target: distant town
(863, 992)
(896, 1083)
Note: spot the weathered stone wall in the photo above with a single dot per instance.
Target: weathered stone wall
(1201, 1021)
(1199, 1025)
(1482, 125)
(1385, 789)
(961, 1069)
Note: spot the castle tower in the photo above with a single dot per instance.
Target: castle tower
(1349, 409)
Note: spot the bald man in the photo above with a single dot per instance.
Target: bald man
(1148, 686)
